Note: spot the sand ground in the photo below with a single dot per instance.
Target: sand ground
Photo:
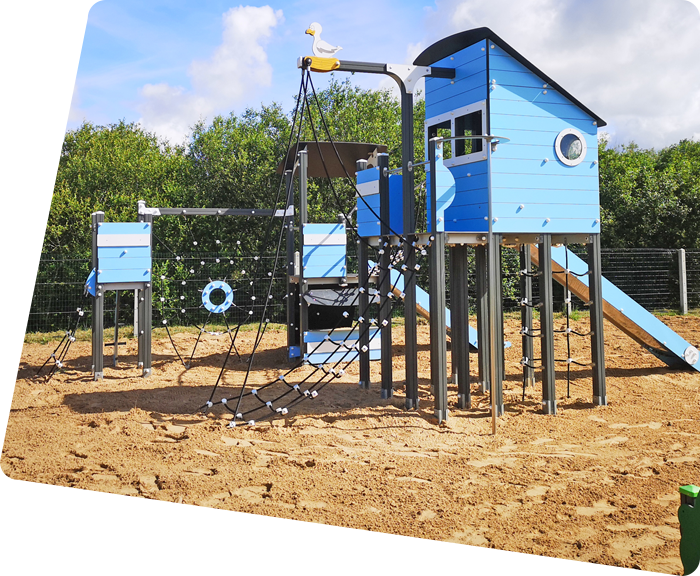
(590, 484)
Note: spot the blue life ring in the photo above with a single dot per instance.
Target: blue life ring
(206, 297)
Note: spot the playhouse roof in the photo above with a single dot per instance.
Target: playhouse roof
(323, 157)
(452, 44)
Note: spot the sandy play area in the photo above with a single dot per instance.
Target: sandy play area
(590, 484)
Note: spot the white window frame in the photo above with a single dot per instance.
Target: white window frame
(452, 116)
(557, 147)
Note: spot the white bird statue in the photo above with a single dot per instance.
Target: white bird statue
(321, 48)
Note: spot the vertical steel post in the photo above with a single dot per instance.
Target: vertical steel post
(596, 309)
(363, 300)
(97, 306)
(500, 337)
(682, 281)
(289, 240)
(146, 328)
(385, 276)
(494, 359)
(482, 316)
(115, 351)
(460, 323)
(526, 313)
(303, 217)
(549, 398)
(409, 229)
(438, 338)
(455, 313)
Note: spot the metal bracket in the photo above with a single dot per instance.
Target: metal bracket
(409, 75)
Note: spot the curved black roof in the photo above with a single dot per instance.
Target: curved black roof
(452, 44)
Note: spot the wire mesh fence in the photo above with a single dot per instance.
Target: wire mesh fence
(649, 276)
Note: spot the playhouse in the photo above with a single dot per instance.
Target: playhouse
(511, 161)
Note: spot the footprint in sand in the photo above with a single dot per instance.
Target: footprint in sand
(612, 441)
(537, 491)
(601, 506)
(425, 515)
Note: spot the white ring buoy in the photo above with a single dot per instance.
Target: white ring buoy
(206, 297)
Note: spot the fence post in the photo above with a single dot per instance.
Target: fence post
(682, 281)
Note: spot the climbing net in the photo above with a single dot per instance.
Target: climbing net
(58, 357)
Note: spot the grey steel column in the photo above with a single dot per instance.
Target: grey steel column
(493, 307)
(459, 276)
(289, 239)
(438, 325)
(498, 322)
(549, 398)
(409, 229)
(147, 326)
(303, 216)
(363, 300)
(682, 281)
(482, 315)
(526, 312)
(385, 276)
(597, 336)
(115, 351)
(97, 306)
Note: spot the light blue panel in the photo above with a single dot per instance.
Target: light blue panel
(423, 300)
(502, 61)
(500, 94)
(544, 110)
(324, 229)
(474, 182)
(628, 307)
(525, 196)
(467, 225)
(123, 263)
(540, 167)
(124, 252)
(478, 94)
(539, 225)
(91, 282)
(531, 210)
(510, 150)
(473, 168)
(337, 271)
(540, 138)
(109, 276)
(544, 181)
(124, 228)
(323, 253)
(541, 124)
(444, 190)
(338, 335)
(324, 260)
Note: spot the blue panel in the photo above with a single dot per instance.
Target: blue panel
(123, 263)
(323, 253)
(473, 182)
(340, 357)
(541, 124)
(525, 196)
(463, 83)
(519, 79)
(365, 230)
(520, 151)
(545, 110)
(338, 335)
(544, 181)
(554, 226)
(532, 210)
(324, 229)
(396, 203)
(294, 352)
(462, 225)
(539, 138)
(369, 175)
(109, 276)
(539, 166)
(628, 307)
(500, 60)
(90, 282)
(473, 168)
(124, 252)
(500, 94)
(457, 101)
(444, 192)
(124, 228)
(336, 271)
(468, 54)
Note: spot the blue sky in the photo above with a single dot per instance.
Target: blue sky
(169, 63)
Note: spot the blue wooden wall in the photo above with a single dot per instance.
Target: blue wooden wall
(469, 209)
(368, 209)
(325, 247)
(526, 190)
(123, 252)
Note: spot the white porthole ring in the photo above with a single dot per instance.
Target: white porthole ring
(564, 141)
(691, 355)
(206, 297)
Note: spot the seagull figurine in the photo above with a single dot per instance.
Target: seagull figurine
(321, 48)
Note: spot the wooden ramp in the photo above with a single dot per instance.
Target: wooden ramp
(618, 308)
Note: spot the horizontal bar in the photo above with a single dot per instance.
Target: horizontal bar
(215, 212)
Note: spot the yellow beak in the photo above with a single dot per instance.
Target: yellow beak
(310, 31)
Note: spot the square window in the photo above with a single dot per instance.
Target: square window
(444, 130)
(468, 125)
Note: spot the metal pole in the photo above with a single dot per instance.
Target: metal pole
(500, 339)
(683, 281)
(549, 398)
(303, 216)
(597, 336)
(438, 339)
(115, 352)
(409, 229)
(97, 306)
(289, 225)
(526, 313)
(363, 301)
(482, 315)
(455, 314)
(460, 324)
(147, 327)
(494, 368)
(385, 276)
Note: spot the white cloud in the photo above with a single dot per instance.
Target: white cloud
(235, 71)
(633, 62)
(56, 100)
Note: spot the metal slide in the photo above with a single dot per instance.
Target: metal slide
(625, 313)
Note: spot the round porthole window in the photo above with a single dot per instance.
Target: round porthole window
(570, 147)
